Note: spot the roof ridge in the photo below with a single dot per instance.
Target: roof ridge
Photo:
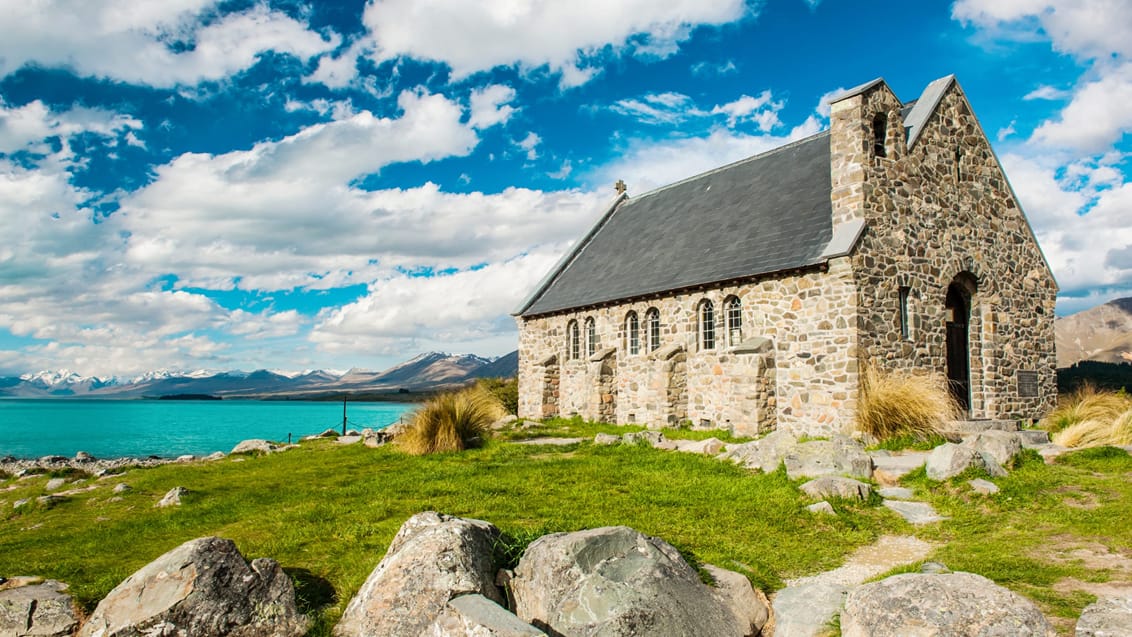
(738, 162)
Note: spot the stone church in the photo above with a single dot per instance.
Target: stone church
(754, 296)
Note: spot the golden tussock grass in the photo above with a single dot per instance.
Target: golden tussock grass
(451, 422)
(901, 404)
(1086, 405)
(1097, 433)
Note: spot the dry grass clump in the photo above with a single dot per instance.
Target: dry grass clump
(1086, 404)
(1097, 433)
(900, 404)
(451, 422)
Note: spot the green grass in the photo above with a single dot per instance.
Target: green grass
(330, 512)
(327, 513)
(577, 428)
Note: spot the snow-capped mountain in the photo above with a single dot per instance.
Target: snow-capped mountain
(426, 371)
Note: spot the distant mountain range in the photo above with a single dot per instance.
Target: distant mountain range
(1102, 333)
(430, 371)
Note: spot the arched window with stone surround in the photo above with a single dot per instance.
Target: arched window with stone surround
(591, 337)
(573, 342)
(707, 324)
(880, 135)
(652, 324)
(734, 308)
(632, 334)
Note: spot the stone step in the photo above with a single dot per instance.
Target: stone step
(964, 427)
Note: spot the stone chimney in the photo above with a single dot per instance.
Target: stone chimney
(865, 130)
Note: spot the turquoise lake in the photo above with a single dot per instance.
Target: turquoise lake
(169, 428)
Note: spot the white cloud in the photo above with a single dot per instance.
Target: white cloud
(1084, 28)
(34, 122)
(559, 36)
(658, 108)
(530, 144)
(1096, 117)
(452, 308)
(1045, 92)
(491, 106)
(761, 110)
(709, 69)
(130, 41)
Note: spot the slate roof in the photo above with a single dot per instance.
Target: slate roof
(764, 214)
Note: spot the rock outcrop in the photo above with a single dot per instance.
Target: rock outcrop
(203, 588)
(838, 456)
(1107, 617)
(37, 610)
(617, 582)
(432, 559)
(940, 604)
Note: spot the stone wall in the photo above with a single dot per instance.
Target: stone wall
(937, 213)
(805, 382)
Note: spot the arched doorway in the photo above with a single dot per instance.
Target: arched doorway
(958, 306)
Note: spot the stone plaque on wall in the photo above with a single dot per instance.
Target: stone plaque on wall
(1027, 384)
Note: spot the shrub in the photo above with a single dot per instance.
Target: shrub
(1086, 404)
(901, 404)
(451, 422)
(1097, 433)
(505, 389)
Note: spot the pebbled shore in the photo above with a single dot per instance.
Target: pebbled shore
(82, 461)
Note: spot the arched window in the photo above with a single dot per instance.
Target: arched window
(591, 337)
(734, 308)
(880, 135)
(632, 334)
(573, 343)
(707, 325)
(652, 323)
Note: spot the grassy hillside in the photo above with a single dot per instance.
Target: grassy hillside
(327, 514)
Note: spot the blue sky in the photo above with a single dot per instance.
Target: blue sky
(195, 184)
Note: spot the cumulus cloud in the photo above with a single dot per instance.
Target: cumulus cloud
(658, 108)
(1097, 116)
(161, 44)
(1084, 28)
(491, 105)
(32, 123)
(762, 110)
(559, 36)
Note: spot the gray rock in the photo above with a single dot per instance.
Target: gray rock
(944, 604)
(172, 498)
(1051, 451)
(82, 456)
(841, 455)
(215, 455)
(20, 503)
(888, 468)
(983, 486)
(614, 582)
(202, 588)
(836, 487)
(748, 603)
(991, 466)
(949, 460)
(764, 454)
(1002, 445)
(55, 483)
(51, 500)
(934, 568)
(1106, 617)
(914, 512)
(504, 421)
(707, 447)
(255, 445)
(805, 611)
(121, 487)
(188, 457)
(433, 558)
(348, 440)
(38, 610)
(653, 438)
(477, 616)
(607, 439)
(1033, 438)
(823, 507)
(896, 493)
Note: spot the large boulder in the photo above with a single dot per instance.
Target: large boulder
(617, 582)
(836, 487)
(38, 610)
(202, 588)
(1001, 445)
(949, 460)
(1107, 617)
(943, 605)
(764, 454)
(432, 559)
(840, 455)
(254, 445)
